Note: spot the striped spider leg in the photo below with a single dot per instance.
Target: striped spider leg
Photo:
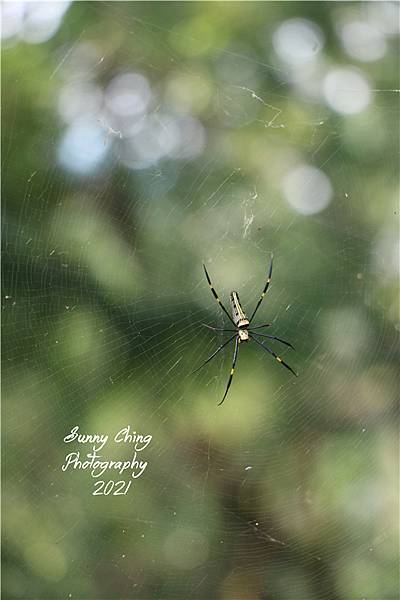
(266, 286)
(242, 330)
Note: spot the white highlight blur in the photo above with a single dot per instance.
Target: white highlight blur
(33, 22)
(384, 15)
(307, 189)
(386, 253)
(345, 331)
(347, 91)
(82, 147)
(363, 41)
(12, 15)
(298, 41)
(162, 136)
(128, 95)
(78, 100)
(124, 113)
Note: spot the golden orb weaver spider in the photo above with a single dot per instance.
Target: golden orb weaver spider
(243, 332)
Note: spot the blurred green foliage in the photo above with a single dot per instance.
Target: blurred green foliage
(289, 490)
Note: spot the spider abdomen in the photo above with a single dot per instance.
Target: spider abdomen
(238, 314)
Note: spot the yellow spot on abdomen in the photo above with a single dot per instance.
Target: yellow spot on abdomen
(232, 370)
(278, 358)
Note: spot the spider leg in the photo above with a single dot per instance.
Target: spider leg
(235, 354)
(214, 293)
(278, 358)
(217, 328)
(261, 326)
(273, 337)
(265, 288)
(213, 354)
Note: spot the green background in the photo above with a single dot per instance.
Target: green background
(289, 490)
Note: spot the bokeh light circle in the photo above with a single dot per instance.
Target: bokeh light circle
(307, 189)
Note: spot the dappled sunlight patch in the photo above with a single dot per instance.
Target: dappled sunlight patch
(46, 560)
(186, 548)
(242, 414)
(90, 237)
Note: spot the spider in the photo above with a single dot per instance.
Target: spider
(242, 330)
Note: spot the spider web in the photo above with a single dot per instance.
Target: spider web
(286, 491)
